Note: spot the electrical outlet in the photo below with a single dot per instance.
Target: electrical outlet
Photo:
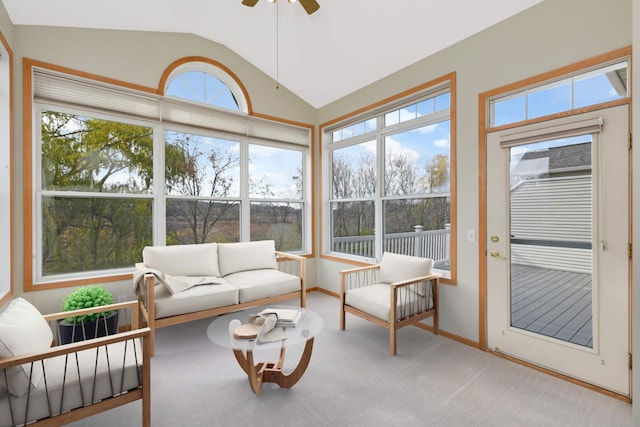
(122, 298)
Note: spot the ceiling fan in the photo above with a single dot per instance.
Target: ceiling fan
(309, 5)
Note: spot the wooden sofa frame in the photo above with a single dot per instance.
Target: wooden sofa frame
(289, 263)
(367, 276)
(143, 392)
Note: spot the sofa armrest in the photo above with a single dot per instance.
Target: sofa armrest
(133, 306)
(68, 349)
(296, 265)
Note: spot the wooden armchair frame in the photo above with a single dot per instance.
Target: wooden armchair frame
(410, 301)
(120, 397)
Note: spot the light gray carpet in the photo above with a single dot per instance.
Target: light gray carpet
(352, 380)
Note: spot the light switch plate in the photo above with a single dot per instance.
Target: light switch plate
(471, 235)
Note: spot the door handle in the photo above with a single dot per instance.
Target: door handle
(496, 254)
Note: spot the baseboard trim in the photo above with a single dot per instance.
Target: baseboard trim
(326, 292)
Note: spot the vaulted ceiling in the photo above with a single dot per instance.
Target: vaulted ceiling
(344, 46)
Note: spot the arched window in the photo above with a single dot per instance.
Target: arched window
(205, 83)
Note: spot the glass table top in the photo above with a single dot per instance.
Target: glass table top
(220, 334)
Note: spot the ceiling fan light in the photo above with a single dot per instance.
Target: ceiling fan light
(272, 1)
(292, 1)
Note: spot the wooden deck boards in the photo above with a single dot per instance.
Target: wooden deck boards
(554, 303)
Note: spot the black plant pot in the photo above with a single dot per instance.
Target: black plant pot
(74, 332)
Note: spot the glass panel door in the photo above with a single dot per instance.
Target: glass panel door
(551, 216)
(557, 265)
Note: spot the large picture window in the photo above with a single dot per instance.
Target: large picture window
(115, 170)
(95, 174)
(390, 184)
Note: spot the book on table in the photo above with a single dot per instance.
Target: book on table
(286, 316)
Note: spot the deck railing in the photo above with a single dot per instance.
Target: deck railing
(434, 244)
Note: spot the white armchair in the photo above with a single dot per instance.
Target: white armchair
(400, 291)
(45, 385)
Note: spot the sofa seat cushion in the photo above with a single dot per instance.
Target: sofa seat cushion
(197, 298)
(183, 260)
(376, 301)
(126, 374)
(258, 284)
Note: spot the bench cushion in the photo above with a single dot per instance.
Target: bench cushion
(183, 260)
(244, 256)
(23, 330)
(197, 298)
(258, 284)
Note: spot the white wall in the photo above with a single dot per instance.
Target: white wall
(5, 174)
(635, 120)
(5, 158)
(550, 35)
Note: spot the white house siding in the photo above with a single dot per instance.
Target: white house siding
(558, 211)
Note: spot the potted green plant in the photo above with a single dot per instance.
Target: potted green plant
(80, 328)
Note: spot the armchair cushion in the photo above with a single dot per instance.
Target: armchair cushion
(375, 300)
(183, 260)
(397, 268)
(23, 330)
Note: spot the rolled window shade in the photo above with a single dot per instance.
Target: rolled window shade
(57, 88)
(179, 112)
(275, 131)
(541, 132)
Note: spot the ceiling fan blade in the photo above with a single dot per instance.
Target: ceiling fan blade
(249, 3)
(310, 5)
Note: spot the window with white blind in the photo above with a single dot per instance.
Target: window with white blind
(116, 169)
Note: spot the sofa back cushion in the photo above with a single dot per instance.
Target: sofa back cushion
(245, 256)
(183, 260)
(23, 330)
(396, 267)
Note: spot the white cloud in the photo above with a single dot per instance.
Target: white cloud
(262, 151)
(397, 149)
(370, 146)
(425, 130)
(442, 143)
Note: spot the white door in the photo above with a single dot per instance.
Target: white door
(558, 246)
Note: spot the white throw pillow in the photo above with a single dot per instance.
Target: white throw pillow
(23, 330)
(245, 256)
(183, 260)
(396, 267)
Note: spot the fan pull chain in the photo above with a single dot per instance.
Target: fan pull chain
(277, 45)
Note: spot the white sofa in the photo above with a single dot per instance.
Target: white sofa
(180, 283)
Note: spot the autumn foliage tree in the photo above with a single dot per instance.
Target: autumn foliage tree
(426, 202)
(89, 166)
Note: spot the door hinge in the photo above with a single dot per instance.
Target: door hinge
(630, 251)
(630, 361)
(630, 145)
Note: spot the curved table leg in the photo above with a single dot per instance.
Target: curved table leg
(272, 372)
